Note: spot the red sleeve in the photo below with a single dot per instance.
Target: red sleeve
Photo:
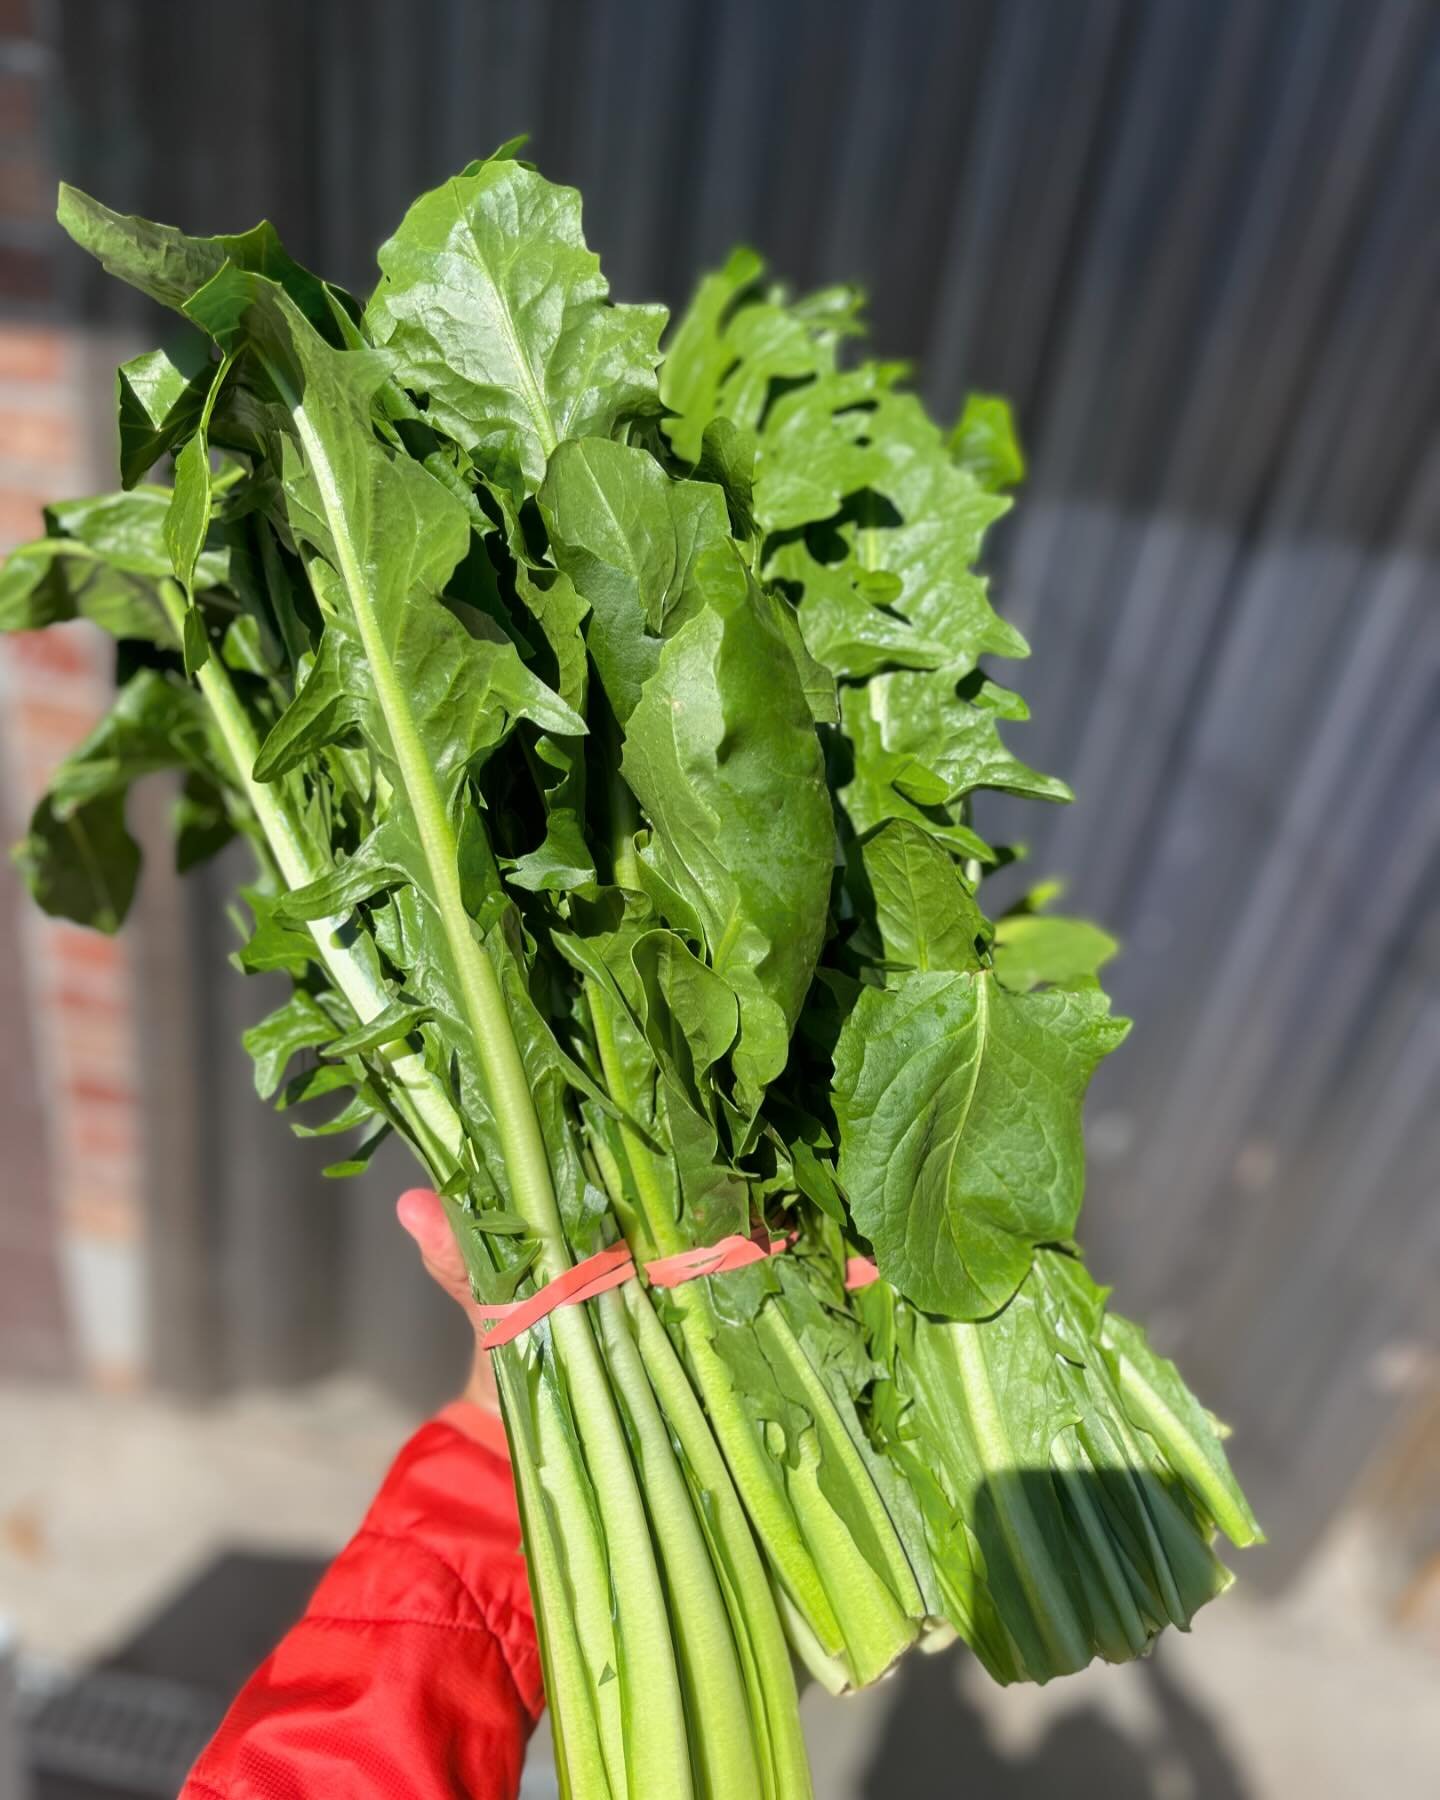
(414, 1673)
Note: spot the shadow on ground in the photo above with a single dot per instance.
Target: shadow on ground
(129, 1727)
(935, 1741)
(163, 1691)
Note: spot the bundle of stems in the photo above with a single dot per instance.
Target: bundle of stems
(604, 728)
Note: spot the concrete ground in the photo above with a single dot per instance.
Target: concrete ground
(109, 1505)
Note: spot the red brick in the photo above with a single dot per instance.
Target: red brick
(93, 1043)
(17, 19)
(46, 438)
(87, 1089)
(85, 978)
(52, 652)
(87, 1001)
(105, 1137)
(103, 1215)
(26, 190)
(30, 352)
(101, 992)
(26, 276)
(19, 107)
(73, 944)
(95, 1040)
(21, 517)
(109, 1177)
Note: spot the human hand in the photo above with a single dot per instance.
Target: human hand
(422, 1213)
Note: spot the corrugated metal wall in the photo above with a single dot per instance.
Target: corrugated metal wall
(1198, 241)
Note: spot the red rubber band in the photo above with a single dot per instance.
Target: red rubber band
(859, 1273)
(610, 1268)
(605, 1269)
(714, 1259)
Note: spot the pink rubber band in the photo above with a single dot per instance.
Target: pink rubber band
(714, 1259)
(605, 1269)
(611, 1267)
(859, 1273)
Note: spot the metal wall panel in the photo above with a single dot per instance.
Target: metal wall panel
(1198, 241)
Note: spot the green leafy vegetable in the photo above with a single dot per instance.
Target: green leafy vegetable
(960, 1146)
(496, 313)
(605, 727)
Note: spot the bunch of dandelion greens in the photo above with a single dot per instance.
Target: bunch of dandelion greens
(604, 725)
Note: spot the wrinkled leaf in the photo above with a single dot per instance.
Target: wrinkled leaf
(495, 310)
(1045, 949)
(960, 1146)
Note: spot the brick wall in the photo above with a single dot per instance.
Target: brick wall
(70, 1218)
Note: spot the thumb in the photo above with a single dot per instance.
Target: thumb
(422, 1214)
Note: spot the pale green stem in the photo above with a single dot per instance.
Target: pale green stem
(722, 1739)
(572, 1621)
(1061, 1632)
(435, 1120)
(658, 1751)
(1078, 1477)
(836, 1446)
(753, 1469)
(748, 1593)
(1181, 1450)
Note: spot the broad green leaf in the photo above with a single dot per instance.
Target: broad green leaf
(1188, 1436)
(689, 1013)
(274, 942)
(358, 1110)
(155, 723)
(159, 397)
(315, 1083)
(376, 865)
(81, 863)
(170, 267)
(78, 858)
(869, 796)
(847, 615)
(562, 861)
(467, 692)
(912, 733)
(203, 822)
(187, 523)
(722, 755)
(727, 457)
(1046, 950)
(816, 450)
(926, 531)
(769, 345)
(817, 679)
(397, 1020)
(925, 915)
(960, 1140)
(984, 443)
(497, 313)
(390, 533)
(697, 358)
(102, 560)
(301, 1023)
(633, 542)
(359, 1159)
